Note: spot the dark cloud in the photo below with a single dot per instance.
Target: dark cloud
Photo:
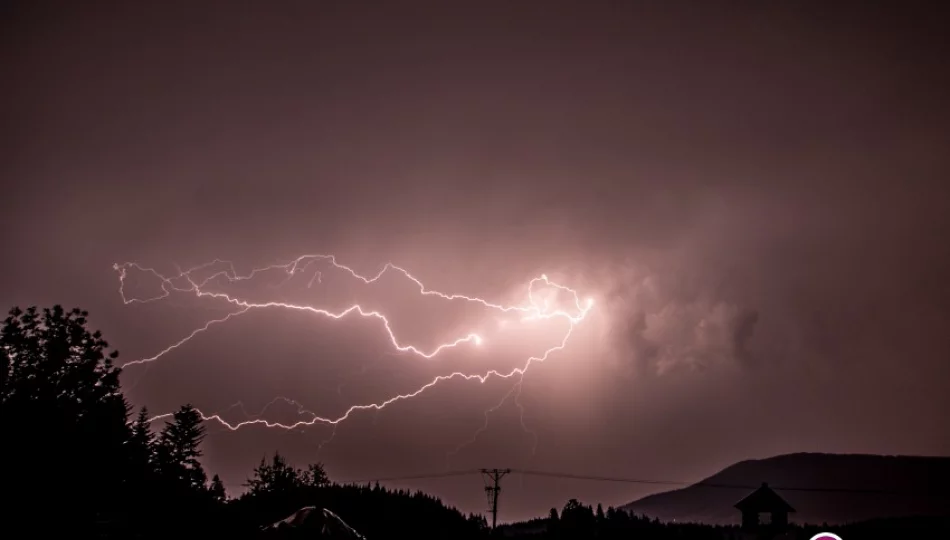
(742, 332)
(643, 350)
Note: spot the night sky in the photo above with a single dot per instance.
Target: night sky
(755, 195)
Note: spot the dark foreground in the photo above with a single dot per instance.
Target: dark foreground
(76, 463)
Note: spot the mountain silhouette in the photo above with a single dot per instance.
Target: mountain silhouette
(822, 488)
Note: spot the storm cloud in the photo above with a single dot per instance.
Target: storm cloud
(754, 195)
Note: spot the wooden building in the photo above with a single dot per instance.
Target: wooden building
(764, 509)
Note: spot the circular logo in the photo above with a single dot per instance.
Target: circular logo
(826, 536)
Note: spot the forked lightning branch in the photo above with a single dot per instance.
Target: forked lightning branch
(204, 283)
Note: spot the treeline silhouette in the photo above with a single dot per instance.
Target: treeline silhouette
(277, 489)
(72, 461)
(577, 521)
(77, 463)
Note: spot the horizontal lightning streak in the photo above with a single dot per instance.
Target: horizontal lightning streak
(534, 310)
(382, 404)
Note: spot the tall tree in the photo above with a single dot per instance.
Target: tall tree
(141, 480)
(278, 476)
(316, 476)
(142, 440)
(53, 356)
(5, 365)
(179, 447)
(217, 490)
(577, 520)
(63, 419)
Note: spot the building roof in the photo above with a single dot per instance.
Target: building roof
(764, 500)
(320, 521)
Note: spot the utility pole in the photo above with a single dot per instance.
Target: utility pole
(492, 488)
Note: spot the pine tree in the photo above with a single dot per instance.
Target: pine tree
(140, 447)
(316, 476)
(142, 440)
(217, 490)
(277, 477)
(179, 449)
(5, 365)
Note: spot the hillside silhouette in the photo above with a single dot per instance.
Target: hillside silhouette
(841, 488)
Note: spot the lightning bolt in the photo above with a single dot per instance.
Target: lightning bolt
(185, 282)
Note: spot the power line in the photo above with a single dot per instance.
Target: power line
(701, 483)
(424, 476)
(626, 480)
(570, 476)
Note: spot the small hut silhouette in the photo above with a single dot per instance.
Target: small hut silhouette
(763, 508)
